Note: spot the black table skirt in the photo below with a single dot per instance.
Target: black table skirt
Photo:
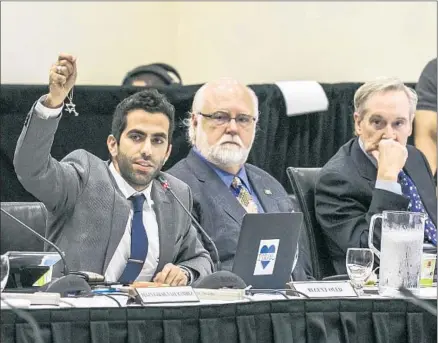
(282, 321)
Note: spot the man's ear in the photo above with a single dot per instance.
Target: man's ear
(194, 119)
(357, 121)
(113, 146)
(169, 150)
(411, 123)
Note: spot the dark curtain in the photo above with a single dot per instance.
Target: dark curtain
(302, 141)
(284, 321)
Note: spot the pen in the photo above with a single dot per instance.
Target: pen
(105, 290)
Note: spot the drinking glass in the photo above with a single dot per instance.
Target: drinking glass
(360, 263)
(4, 272)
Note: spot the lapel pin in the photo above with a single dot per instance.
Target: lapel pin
(268, 191)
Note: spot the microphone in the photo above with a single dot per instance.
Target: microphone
(417, 301)
(221, 279)
(71, 282)
(166, 187)
(45, 240)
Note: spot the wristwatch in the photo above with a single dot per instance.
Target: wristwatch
(188, 274)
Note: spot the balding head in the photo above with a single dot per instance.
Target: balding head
(221, 91)
(227, 144)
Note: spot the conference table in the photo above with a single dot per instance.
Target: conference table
(259, 318)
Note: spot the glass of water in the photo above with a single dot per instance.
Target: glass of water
(360, 263)
(4, 272)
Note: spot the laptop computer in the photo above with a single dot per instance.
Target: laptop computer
(267, 248)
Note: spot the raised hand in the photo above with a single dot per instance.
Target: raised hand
(62, 77)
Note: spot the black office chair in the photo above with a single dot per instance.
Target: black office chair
(303, 184)
(305, 242)
(14, 237)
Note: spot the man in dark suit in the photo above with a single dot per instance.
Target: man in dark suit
(112, 218)
(374, 172)
(222, 130)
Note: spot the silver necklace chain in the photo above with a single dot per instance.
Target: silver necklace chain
(71, 107)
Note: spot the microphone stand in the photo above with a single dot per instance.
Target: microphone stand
(165, 184)
(45, 240)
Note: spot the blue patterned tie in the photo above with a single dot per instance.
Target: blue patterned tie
(243, 196)
(416, 205)
(139, 243)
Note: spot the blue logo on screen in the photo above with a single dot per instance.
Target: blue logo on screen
(267, 255)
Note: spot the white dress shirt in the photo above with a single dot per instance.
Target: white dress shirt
(120, 258)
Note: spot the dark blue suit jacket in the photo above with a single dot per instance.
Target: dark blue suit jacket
(221, 215)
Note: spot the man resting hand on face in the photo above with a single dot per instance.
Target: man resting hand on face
(374, 172)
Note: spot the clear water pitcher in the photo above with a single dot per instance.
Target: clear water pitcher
(401, 250)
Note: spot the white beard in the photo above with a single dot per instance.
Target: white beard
(224, 155)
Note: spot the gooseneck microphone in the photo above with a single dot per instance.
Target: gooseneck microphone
(45, 240)
(165, 184)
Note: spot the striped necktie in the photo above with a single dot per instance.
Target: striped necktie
(416, 205)
(243, 196)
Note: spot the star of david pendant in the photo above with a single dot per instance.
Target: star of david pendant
(70, 108)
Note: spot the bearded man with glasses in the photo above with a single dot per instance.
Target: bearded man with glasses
(221, 130)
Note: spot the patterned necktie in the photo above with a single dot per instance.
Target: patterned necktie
(243, 196)
(139, 242)
(416, 205)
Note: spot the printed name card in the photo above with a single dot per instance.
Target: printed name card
(325, 289)
(156, 295)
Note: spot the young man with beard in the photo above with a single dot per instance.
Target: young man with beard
(222, 130)
(112, 218)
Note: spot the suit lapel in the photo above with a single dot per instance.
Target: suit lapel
(120, 215)
(363, 164)
(164, 211)
(214, 185)
(264, 194)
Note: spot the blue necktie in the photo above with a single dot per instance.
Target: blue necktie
(416, 205)
(243, 196)
(139, 242)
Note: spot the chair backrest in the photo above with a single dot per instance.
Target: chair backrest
(15, 237)
(303, 184)
(305, 241)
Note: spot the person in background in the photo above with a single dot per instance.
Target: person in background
(426, 116)
(374, 172)
(152, 75)
(222, 128)
(112, 217)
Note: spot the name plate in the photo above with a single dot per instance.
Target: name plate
(324, 289)
(157, 295)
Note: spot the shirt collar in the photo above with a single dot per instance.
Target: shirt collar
(226, 177)
(127, 189)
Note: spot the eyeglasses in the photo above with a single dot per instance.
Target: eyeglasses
(221, 118)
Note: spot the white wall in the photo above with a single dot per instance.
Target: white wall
(294, 40)
(257, 42)
(108, 38)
